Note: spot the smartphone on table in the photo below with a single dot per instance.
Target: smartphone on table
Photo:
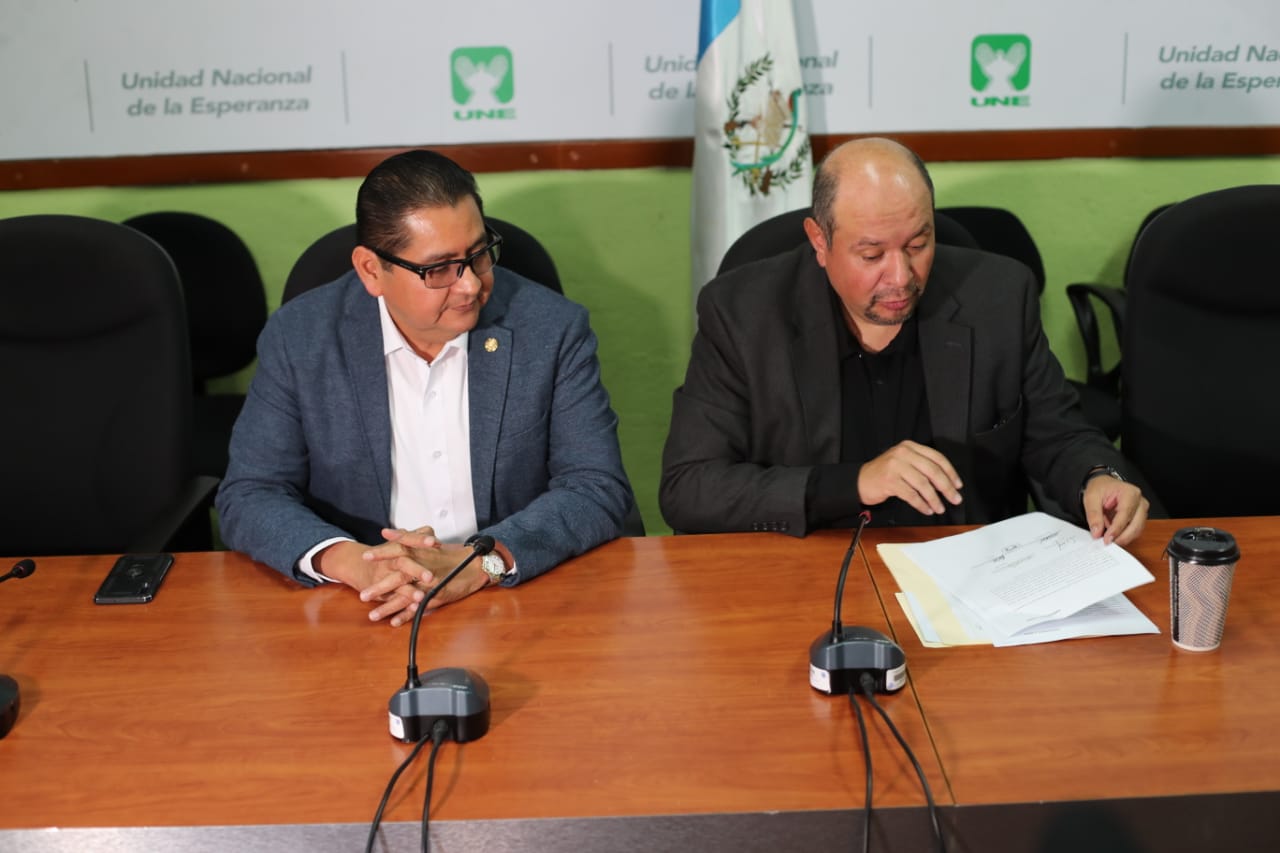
(134, 579)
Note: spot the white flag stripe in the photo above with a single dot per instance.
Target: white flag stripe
(751, 155)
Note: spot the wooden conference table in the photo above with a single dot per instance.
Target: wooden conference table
(1115, 743)
(650, 695)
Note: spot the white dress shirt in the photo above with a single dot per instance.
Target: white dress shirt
(430, 440)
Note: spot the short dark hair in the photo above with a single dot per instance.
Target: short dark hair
(404, 183)
(826, 183)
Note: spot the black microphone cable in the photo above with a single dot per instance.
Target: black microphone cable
(438, 733)
(386, 793)
(866, 752)
(868, 689)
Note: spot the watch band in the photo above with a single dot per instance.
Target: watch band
(1100, 471)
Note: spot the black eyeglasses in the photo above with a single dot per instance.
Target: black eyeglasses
(443, 274)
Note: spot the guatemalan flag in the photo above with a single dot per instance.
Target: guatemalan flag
(751, 153)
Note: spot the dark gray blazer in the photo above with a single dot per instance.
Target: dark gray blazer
(311, 452)
(760, 404)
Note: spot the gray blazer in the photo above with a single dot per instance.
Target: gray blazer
(311, 452)
(760, 405)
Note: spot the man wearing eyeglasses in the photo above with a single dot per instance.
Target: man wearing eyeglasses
(427, 395)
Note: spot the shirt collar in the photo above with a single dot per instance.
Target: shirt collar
(393, 340)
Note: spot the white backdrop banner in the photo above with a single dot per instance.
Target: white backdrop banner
(89, 78)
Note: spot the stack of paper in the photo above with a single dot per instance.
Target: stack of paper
(1030, 579)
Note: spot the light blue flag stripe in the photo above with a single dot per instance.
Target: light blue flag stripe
(716, 15)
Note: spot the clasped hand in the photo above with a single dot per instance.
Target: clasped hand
(396, 575)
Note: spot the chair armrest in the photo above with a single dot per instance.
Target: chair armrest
(195, 499)
(633, 524)
(1080, 296)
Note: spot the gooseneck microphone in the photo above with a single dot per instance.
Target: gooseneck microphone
(458, 696)
(839, 657)
(9, 697)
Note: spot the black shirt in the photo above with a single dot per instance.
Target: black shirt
(882, 402)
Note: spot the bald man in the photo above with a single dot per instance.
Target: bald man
(871, 368)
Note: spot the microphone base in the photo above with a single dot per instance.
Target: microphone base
(8, 704)
(454, 694)
(836, 665)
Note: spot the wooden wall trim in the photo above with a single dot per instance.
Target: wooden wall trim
(615, 154)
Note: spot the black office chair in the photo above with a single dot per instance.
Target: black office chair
(1082, 295)
(784, 232)
(1002, 232)
(1201, 340)
(324, 260)
(96, 384)
(524, 254)
(226, 310)
(330, 257)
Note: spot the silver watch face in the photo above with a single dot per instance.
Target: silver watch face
(493, 566)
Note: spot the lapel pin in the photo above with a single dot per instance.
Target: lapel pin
(490, 344)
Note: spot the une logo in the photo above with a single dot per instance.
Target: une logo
(483, 82)
(1000, 68)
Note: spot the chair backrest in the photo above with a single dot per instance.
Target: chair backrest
(1146, 220)
(322, 262)
(330, 257)
(1000, 232)
(96, 383)
(784, 232)
(1201, 336)
(524, 254)
(226, 303)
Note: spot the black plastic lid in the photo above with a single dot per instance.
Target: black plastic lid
(1207, 546)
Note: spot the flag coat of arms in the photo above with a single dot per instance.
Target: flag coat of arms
(751, 153)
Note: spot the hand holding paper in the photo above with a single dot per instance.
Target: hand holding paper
(1019, 580)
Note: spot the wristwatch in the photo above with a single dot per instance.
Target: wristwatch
(495, 568)
(1100, 471)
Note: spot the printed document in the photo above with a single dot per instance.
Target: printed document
(1029, 579)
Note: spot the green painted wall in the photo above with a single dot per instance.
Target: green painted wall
(620, 239)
